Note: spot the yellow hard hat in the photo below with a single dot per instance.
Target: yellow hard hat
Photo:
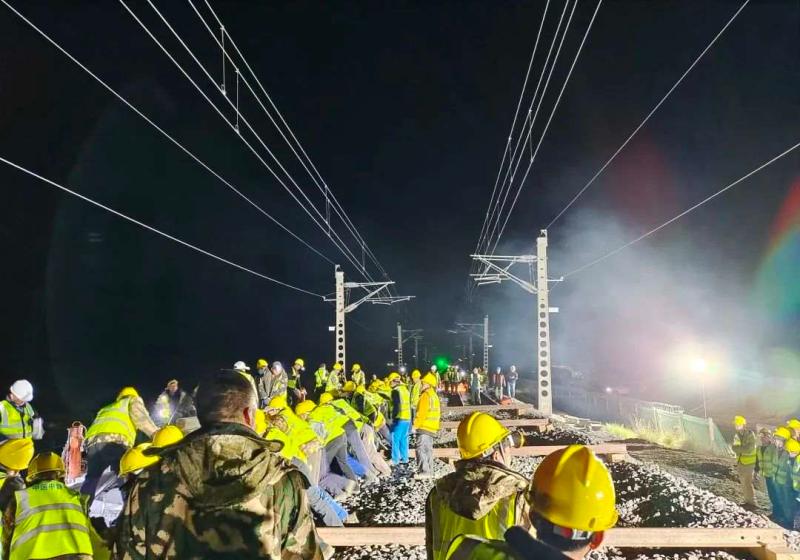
(478, 433)
(415, 374)
(300, 362)
(356, 367)
(573, 489)
(325, 398)
(134, 459)
(128, 392)
(783, 432)
(304, 407)
(739, 421)
(793, 424)
(337, 366)
(429, 379)
(261, 422)
(16, 454)
(278, 401)
(360, 390)
(792, 446)
(45, 462)
(261, 363)
(167, 435)
(392, 376)
(349, 387)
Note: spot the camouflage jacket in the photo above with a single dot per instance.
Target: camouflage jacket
(220, 493)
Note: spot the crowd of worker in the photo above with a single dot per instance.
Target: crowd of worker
(251, 461)
(770, 459)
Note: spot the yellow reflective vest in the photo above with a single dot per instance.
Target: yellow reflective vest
(331, 419)
(358, 377)
(745, 446)
(428, 411)
(114, 418)
(447, 525)
(51, 521)
(344, 407)
(415, 390)
(13, 423)
(405, 403)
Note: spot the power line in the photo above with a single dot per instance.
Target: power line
(163, 132)
(347, 253)
(547, 125)
(323, 187)
(682, 214)
(154, 230)
(647, 118)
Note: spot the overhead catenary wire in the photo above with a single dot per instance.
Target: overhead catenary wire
(163, 132)
(336, 240)
(305, 161)
(647, 118)
(682, 214)
(155, 230)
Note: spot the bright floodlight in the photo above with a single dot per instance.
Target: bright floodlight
(699, 365)
(609, 390)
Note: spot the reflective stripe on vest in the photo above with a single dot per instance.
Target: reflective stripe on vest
(471, 547)
(114, 418)
(13, 424)
(52, 508)
(320, 378)
(431, 421)
(745, 458)
(447, 525)
(405, 403)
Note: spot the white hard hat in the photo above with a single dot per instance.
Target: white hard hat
(240, 366)
(23, 390)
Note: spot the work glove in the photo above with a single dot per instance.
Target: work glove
(38, 428)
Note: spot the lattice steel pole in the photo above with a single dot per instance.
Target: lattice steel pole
(399, 345)
(545, 404)
(486, 344)
(340, 314)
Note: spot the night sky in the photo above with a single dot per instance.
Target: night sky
(404, 107)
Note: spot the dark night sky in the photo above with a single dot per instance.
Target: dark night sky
(404, 107)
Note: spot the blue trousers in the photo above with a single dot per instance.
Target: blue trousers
(400, 441)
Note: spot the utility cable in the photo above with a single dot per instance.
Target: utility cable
(682, 214)
(647, 118)
(162, 131)
(547, 125)
(154, 230)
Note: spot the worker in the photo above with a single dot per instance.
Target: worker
(401, 419)
(223, 480)
(794, 427)
(744, 446)
(15, 455)
(511, 382)
(113, 432)
(171, 404)
(475, 386)
(244, 370)
(414, 391)
(498, 383)
(262, 371)
(353, 430)
(766, 456)
(790, 489)
(357, 375)
(793, 450)
(783, 476)
(334, 382)
(47, 520)
(273, 385)
(18, 419)
(370, 405)
(294, 394)
(572, 503)
(426, 425)
(435, 371)
(483, 496)
(320, 381)
(330, 423)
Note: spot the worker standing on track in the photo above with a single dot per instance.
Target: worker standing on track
(475, 387)
(414, 391)
(766, 457)
(483, 496)
(572, 504)
(320, 381)
(783, 476)
(401, 419)
(262, 371)
(357, 375)
(511, 382)
(334, 382)
(294, 393)
(169, 404)
(744, 446)
(112, 433)
(274, 384)
(18, 419)
(426, 425)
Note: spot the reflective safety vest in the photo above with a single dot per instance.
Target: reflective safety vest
(114, 418)
(428, 411)
(745, 456)
(415, 390)
(405, 403)
(334, 382)
(359, 378)
(290, 450)
(50, 521)
(331, 419)
(766, 456)
(471, 547)
(447, 525)
(13, 423)
(783, 468)
(298, 429)
(796, 473)
(293, 377)
(320, 378)
(344, 407)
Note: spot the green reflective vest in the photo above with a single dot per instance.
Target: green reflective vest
(114, 418)
(405, 403)
(358, 377)
(767, 456)
(331, 419)
(50, 521)
(320, 378)
(13, 423)
(783, 468)
(416, 387)
(745, 446)
(472, 547)
(344, 407)
(447, 525)
(289, 450)
(298, 429)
